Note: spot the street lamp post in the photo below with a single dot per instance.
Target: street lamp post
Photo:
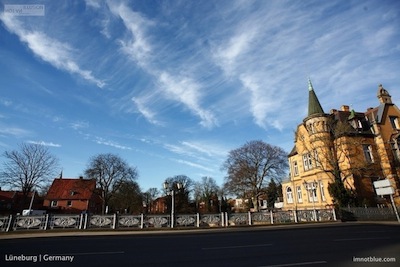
(312, 192)
(171, 188)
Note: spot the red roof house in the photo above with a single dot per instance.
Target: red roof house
(68, 195)
(12, 202)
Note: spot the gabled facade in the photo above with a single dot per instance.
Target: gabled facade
(67, 195)
(360, 147)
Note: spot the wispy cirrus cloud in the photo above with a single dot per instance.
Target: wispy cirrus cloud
(50, 50)
(195, 165)
(43, 143)
(143, 108)
(102, 141)
(180, 88)
(77, 125)
(14, 131)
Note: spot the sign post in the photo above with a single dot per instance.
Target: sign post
(383, 187)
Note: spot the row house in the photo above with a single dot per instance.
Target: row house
(362, 147)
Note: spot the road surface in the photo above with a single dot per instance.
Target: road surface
(340, 244)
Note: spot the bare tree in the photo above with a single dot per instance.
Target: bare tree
(32, 166)
(251, 167)
(128, 198)
(110, 172)
(182, 194)
(206, 191)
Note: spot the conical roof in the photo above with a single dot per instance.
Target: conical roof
(314, 107)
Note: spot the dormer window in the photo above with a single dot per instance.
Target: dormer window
(73, 193)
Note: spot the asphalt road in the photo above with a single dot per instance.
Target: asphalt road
(317, 245)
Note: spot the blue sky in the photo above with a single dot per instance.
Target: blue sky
(173, 86)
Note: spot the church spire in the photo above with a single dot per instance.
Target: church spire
(314, 107)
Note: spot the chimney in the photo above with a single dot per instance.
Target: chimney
(333, 111)
(345, 108)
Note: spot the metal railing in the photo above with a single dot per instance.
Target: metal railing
(123, 221)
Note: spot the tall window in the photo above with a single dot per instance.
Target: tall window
(395, 122)
(299, 194)
(69, 203)
(367, 149)
(289, 195)
(312, 192)
(295, 168)
(54, 203)
(307, 161)
(321, 187)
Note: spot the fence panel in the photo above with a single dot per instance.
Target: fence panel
(367, 214)
(30, 222)
(210, 220)
(283, 217)
(261, 218)
(101, 221)
(238, 219)
(186, 220)
(5, 222)
(324, 215)
(157, 221)
(129, 221)
(305, 215)
(65, 221)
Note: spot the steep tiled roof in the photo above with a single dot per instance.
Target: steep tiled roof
(71, 189)
(314, 107)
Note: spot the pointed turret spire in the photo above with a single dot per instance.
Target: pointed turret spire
(314, 107)
(310, 88)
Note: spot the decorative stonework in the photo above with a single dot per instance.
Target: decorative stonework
(211, 220)
(239, 219)
(129, 221)
(64, 222)
(100, 221)
(261, 217)
(29, 222)
(158, 221)
(186, 220)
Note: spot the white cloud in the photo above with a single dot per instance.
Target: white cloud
(192, 164)
(145, 110)
(137, 46)
(5, 102)
(186, 91)
(43, 143)
(79, 125)
(14, 131)
(179, 88)
(102, 141)
(58, 54)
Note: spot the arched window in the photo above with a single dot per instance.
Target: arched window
(289, 195)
